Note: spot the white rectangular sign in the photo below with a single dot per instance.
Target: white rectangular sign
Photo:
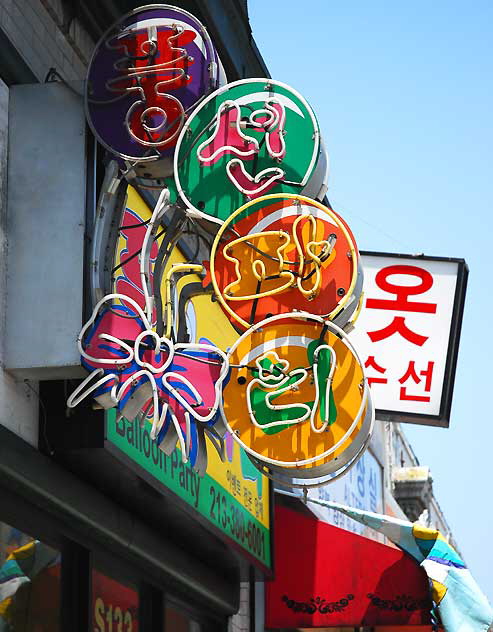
(408, 332)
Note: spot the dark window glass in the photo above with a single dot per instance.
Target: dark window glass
(29, 583)
(176, 620)
(115, 604)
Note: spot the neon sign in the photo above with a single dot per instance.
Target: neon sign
(297, 400)
(247, 139)
(282, 253)
(284, 268)
(177, 385)
(147, 72)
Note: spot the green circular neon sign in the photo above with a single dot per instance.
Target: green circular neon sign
(249, 138)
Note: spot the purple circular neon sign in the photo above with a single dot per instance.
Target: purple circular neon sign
(147, 73)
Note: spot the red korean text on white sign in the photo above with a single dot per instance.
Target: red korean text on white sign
(403, 331)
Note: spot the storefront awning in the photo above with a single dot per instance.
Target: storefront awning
(327, 577)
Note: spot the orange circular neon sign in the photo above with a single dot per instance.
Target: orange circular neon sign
(282, 253)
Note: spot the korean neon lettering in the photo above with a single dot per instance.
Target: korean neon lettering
(228, 138)
(156, 117)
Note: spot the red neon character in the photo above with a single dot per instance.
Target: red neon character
(411, 373)
(153, 63)
(402, 292)
(371, 362)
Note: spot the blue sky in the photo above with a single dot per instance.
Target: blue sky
(404, 96)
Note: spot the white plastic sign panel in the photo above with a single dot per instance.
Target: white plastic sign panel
(361, 487)
(408, 334)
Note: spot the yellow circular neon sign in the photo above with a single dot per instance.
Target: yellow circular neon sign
(297, 399)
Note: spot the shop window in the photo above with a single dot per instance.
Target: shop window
(176, 620)
(115, 602)
(30, 584)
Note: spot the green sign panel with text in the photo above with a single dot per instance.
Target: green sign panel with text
(232, 496)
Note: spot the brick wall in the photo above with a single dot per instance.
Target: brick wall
(42, 32)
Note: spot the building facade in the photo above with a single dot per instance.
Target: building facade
(92, 540)
(90, 543)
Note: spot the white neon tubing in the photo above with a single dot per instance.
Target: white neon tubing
(159, 341)
(268, 376)
(133, 71)
(155, 400)
(279, 407)
(162, 205)
(328, 385)
(114, 361)
(79, 394)
(149, 370)
(172, 375)
(277, 174)
(179, 433)
(274, 119)
(227, 105)
(156, 23)
(279, 122)
(364, 397)
(271, 345)
(133, 74)
(195, 346)
(117, 341)
(156, 429)
(288, 103)
(253, 123)
(142, 414)
(176, 268)
(319, 457)
(201, 39)
(188, 436)
(293, 210)
(217, 386)
(310, 412)
(158, 143)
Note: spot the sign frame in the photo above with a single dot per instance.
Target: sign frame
(442, 420)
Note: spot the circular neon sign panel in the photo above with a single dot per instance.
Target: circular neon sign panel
(247, 139)
(146, 74)
(284, 253)
(297, 400)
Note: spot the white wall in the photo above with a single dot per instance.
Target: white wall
(240, 622)
(35, 29)
(18, 400)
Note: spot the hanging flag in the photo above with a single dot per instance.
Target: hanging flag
(22, 566)
(460, 603)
